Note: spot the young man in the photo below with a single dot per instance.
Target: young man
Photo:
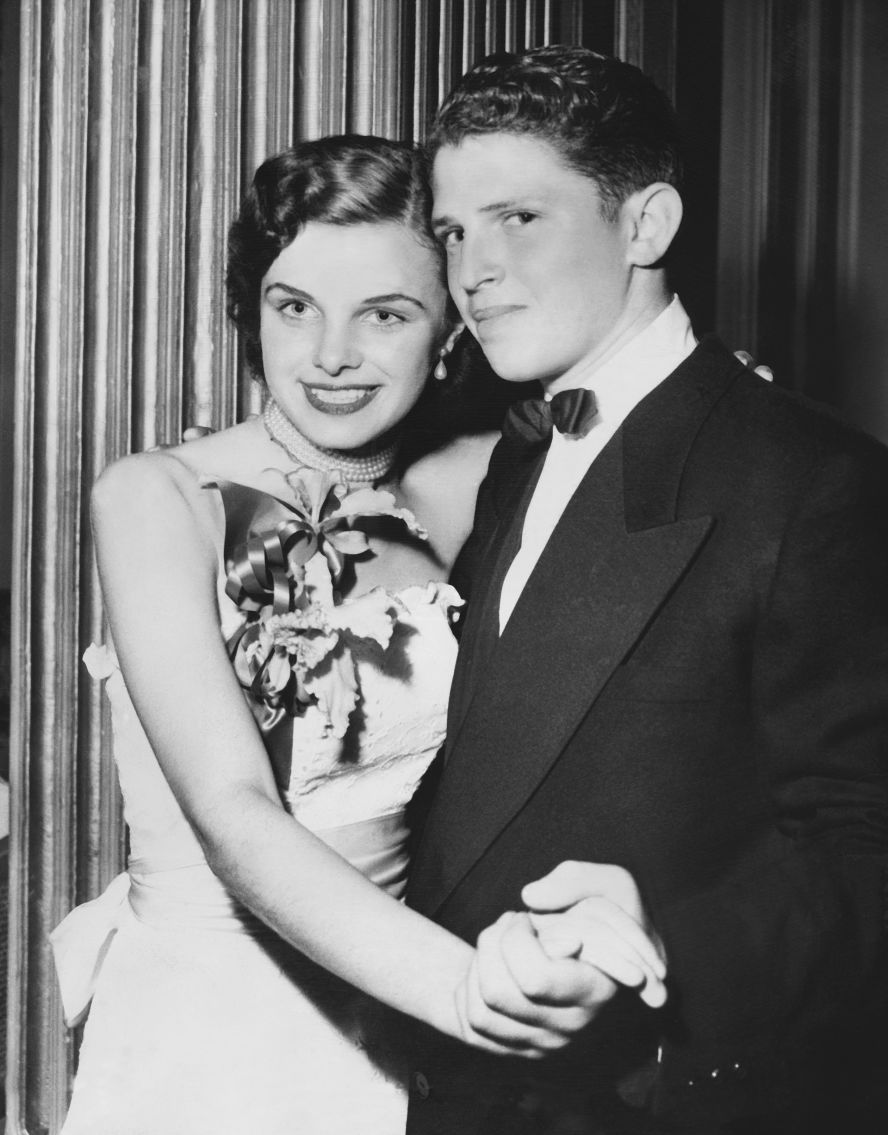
(675, 657)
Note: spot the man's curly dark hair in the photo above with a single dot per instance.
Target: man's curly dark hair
(605, 118)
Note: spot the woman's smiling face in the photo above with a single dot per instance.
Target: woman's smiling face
(351, 319)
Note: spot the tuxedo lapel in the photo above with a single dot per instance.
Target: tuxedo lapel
(502, 541)
(615, 556)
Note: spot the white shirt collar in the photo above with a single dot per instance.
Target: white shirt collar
(632, 373)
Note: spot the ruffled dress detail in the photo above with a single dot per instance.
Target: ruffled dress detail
(200, 1020)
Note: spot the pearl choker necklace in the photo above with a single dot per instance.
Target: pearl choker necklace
(356, 468)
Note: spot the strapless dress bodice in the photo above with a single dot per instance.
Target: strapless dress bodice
(333, 782)
(351, 791)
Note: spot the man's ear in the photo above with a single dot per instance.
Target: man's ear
(654, 214)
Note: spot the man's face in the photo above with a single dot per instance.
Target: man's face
(539, 276)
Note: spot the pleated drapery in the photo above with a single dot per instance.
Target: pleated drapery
(140, 123)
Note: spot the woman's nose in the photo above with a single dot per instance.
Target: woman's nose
(336, 349)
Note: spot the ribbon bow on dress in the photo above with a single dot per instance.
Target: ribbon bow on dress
(81, 941)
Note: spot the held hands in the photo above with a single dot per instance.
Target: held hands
(593, 912)
(762, 371)
(539, 977)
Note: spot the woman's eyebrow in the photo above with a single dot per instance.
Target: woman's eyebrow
(289, 289)
(388, 297)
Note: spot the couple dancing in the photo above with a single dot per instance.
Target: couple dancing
(646, 886)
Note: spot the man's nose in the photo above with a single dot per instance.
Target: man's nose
(336, 349)
(480, 263)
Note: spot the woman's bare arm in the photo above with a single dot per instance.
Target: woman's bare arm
(156, 536)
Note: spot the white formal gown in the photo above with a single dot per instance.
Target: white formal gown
(201, 1021)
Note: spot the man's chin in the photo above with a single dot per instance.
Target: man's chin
(512, 368)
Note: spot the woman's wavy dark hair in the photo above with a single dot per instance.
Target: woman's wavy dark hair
(606, 119)
(343, 180)
(354, 179)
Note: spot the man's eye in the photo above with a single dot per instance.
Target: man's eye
(519, 219)
(451, 238)
(386, 318)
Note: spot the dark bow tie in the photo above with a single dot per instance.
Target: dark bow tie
(571, 412)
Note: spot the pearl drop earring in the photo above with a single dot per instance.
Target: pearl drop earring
(440, 371)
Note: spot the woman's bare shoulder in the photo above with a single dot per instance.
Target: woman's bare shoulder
(142, 480)
(153, 501)
(462, 461)
(441, 490)
(180, 471)
(137, 473)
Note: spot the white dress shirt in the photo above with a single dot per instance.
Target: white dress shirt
(620, 383)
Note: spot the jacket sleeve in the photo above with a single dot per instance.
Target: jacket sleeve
(784, 966)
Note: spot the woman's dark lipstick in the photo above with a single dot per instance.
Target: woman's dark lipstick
(339, 399)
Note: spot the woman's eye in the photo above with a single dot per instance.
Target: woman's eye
(294, 307)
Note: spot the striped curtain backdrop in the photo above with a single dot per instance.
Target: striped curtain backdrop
(141, 122)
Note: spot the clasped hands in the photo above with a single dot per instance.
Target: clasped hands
(540, 976)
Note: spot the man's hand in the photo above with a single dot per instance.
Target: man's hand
(594, 912)
(517, 999)
(540, 977)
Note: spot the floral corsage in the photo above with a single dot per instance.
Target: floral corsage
(295, 647)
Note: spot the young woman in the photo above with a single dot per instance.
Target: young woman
(279, 683)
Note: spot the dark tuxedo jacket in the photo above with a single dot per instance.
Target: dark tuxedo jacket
(693, 684)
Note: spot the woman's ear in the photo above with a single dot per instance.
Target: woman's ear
(654, 214)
